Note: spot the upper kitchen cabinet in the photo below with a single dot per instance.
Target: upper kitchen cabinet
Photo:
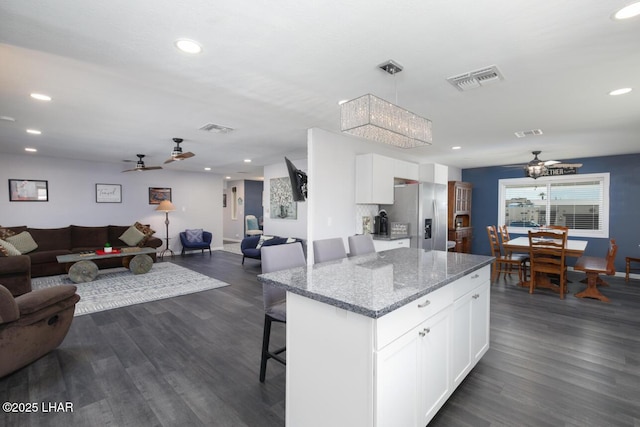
(459, 204)
(375, 177)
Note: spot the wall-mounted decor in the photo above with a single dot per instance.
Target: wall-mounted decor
(224, 200)
(108, 193)
(281, 201)
(158, 194)
(28, 190)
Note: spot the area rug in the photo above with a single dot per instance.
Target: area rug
(118, 287)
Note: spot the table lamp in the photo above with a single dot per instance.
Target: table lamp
(166, 206)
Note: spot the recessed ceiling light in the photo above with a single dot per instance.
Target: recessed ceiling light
(343, 101)
(41, 97)
(227, 177)
(207, 169)
(629, 11)
(457, 147)
(7, 118)
(31, 150)
(34, 131)
(188, 46)
(621, 91)
(247, 160)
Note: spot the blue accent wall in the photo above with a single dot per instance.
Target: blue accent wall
(624, 203)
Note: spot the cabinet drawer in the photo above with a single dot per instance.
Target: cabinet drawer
(398, 322)
(470, 281)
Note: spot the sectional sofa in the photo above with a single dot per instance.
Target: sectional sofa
(52, 242)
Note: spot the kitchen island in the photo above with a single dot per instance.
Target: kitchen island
(382, 339)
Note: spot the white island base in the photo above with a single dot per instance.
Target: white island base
(347, 369)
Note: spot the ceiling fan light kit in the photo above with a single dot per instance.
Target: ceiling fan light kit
(141, 167)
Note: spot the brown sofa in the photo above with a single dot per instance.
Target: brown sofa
(60, 241)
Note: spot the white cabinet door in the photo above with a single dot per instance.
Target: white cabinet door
(405, 170)
(470, 336)
(461, 340)
(397, 382)
(480, 308)
(434, 358)
(374, 179)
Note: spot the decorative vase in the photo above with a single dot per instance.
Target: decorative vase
(283, 211)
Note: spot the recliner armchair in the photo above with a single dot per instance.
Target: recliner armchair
(33, 324)
(207, 237)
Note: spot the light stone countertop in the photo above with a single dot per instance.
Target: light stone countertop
(376, 284)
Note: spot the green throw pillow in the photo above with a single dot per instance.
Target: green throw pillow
(23, 242)
(132, 236)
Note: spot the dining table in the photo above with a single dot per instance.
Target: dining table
(574, 249)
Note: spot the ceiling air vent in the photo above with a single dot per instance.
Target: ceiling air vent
(211, 127)
(477, 78)
(532, 132)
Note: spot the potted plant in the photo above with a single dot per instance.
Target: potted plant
(107, 247)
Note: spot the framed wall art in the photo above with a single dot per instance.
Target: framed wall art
(108, 193)
(158, 194)
(28, 190)
(281, 201)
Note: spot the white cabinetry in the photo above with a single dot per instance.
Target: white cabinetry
(470, 324)
(375, 175)
(405, 170)
(374, 179)
(346, 369)
(413, 375)
(384, 245)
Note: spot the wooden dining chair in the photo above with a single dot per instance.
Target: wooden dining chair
(558, 227)
(547, 257)
(505, 263)
(595, 267)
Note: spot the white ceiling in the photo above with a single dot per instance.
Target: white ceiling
(272, 69)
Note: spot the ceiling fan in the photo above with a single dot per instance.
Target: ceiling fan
(177, 153)
(140, 166)
(537, 168)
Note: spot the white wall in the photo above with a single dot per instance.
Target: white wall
(72, 197)
(278, 226)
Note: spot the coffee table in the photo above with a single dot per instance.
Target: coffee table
(81, 267)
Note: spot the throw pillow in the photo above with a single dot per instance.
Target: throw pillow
(23, 242)
(132, 236)
(146, 230)
(252, 224)
(194, 235)
(291, 240)
(8, 249)
(6, 232)
(263, 239)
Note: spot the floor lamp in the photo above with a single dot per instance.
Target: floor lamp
(166, 206)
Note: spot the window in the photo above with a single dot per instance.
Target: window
(580, 202)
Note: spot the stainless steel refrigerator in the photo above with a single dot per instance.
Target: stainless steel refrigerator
(424, 207)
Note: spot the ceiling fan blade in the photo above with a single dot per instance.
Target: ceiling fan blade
(566, 165)
(151, 168)
(550, 162)
(181, 156)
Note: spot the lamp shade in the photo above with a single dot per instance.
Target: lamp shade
(166, 206)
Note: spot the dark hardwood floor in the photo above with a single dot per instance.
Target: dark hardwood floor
(194, 360)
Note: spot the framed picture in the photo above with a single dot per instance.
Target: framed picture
(281, 201)
(28, 190)
(108, 193)
(158, 194)
(224, 200)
